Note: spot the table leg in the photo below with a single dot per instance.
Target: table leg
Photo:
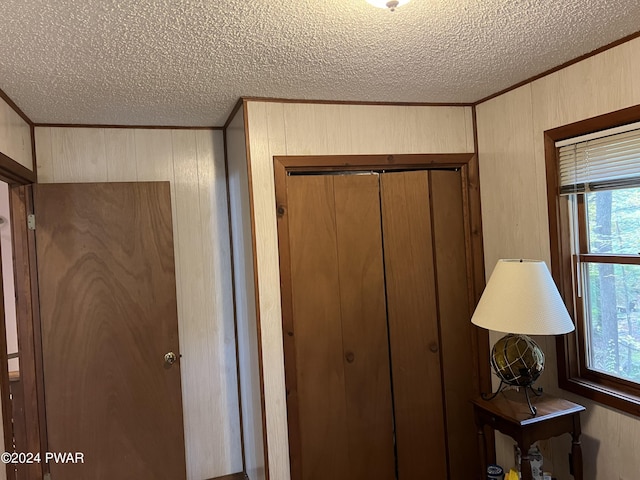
(576, 449)
(482, 448)
(525, 464)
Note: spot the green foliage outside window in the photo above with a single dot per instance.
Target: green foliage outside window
(613, 289)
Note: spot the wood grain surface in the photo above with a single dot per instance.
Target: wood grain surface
(339, 386)
(459, 361)
(108, 312)
(364, 327)
(316, 328)
(413, 325)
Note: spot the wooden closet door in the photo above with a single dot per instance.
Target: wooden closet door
(336, 340)
(459, 359)
(413, 325)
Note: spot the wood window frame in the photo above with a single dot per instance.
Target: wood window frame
(571, 353)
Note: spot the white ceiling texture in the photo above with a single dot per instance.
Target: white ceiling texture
(186, 62)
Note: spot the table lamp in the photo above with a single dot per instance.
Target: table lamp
(520, 299)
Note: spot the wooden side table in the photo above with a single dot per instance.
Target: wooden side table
(509, 414)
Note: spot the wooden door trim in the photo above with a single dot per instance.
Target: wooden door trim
(28, 318)
(318, 163)
(468, 164)
(16, 175)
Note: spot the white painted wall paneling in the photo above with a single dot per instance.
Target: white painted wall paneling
(323, 129)
(193, 161)
(515, 220)
(8, 286)
(245, 294)
(15, 136)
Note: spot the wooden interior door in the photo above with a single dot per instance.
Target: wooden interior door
(336, 339)
(108, 317)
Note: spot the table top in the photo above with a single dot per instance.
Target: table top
(511, 405)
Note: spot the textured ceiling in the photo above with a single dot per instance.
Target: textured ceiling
(186, 62)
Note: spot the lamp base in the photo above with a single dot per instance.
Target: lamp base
(536, 391)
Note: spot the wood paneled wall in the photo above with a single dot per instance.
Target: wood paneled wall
(8, 286)
(244, 279)
(15, 136)
(193, 161)
(515, 221)
(322, 129)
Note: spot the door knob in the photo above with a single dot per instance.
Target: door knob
(170, 358)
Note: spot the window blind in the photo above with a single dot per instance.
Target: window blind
(603, 163)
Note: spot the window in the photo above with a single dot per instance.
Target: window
(594, 213)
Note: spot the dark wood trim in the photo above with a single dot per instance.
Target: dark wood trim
(233, 476)
(467, 162)
(239, 104)
(572, 372)
(31, 372)
(561, 264)
(141, 127)
(286, 300)
(357, 102)
(34, 156)
(313, 163)
(265, 444)
(595, 124)
(561, 66)
(233, 298)
(14, 173)
(15, 107)
(605, 395)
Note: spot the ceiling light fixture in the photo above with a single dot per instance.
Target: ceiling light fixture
(390, 4)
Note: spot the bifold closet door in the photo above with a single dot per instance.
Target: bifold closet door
(458, 356)
(413, 325)
(336, 339)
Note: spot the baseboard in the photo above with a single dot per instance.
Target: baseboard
(233, 476)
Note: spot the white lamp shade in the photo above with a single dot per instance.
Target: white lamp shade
(521, 297)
